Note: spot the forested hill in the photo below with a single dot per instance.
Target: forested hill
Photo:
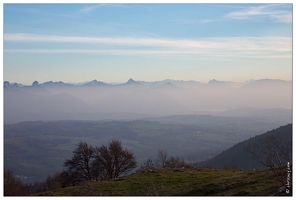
(237, 156)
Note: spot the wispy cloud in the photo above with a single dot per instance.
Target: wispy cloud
(270, 11)
(192, 21)
(196, 53)
(235, 43)
(233, 46)
(100, 51)
(91, 8)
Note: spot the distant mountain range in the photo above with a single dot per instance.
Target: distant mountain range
(133, 99)
(95, 83)
(266, 82)
(238, 156)
(179, 83)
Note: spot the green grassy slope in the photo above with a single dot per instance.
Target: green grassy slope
(187, 182)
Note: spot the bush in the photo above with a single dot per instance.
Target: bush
(164, 161)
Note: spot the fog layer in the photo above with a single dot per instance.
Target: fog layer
(96, 100)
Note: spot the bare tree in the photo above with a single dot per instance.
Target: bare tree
(162, 158)
(13, 186)
(103, 163)
(114, 160)
(176, 162)
(271, 153)
(65, 179)
(97, 163)
(79, 166)
(148, 165)
(171, 162)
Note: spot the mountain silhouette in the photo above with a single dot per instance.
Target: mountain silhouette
(168, 85)
(94, 83)
(267, 83)
(132, 82)
(215, 82)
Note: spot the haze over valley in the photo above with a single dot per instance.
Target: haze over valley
(97, 100)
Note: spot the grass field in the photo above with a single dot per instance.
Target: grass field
(184, 182)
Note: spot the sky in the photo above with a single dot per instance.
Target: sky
(150, 42)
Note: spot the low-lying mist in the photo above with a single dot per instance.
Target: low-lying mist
(134, 100)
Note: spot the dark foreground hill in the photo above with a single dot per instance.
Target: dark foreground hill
(238, 156)
(181, 182)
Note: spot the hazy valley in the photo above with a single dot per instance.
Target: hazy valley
(188, 119)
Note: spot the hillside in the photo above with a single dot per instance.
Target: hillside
(35, 149)
(175, 182)
(239, 157)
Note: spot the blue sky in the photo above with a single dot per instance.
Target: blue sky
(115, 42)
